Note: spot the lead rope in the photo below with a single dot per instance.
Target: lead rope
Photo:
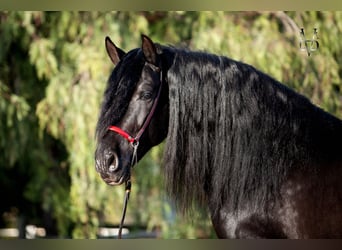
(128, 190)
(128, 187)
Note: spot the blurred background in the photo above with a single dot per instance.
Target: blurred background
(53, 71)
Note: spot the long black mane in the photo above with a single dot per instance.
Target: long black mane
(235, 133)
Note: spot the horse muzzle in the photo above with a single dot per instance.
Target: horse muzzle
(111, 170)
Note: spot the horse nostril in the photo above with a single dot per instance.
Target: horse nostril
(113, 163)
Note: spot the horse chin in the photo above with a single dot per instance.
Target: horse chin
(113, 183)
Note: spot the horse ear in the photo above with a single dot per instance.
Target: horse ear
(149, 50)
(114, 52)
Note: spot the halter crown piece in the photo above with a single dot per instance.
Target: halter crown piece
(134, 141)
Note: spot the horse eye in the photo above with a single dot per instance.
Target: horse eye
(146, 95)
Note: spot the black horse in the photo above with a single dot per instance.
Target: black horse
(263, 160)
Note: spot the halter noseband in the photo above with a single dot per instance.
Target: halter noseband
(134, 140)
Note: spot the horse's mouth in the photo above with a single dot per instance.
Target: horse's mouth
(117, 181)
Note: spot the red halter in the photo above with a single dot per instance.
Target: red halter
(134, 140)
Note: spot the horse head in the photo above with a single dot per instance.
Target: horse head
(134, 113)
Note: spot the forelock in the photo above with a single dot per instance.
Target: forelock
(120, 88)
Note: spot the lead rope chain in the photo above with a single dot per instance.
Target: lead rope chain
(128, 187)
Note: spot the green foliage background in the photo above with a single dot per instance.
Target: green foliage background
(53, 71)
